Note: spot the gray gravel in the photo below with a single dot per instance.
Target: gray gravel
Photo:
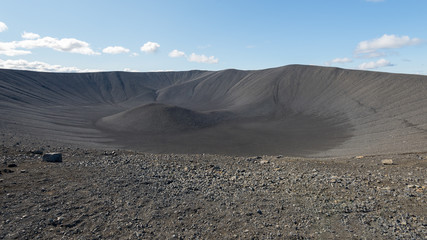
(95, 194)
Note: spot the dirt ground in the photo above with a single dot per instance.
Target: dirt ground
(105, 194)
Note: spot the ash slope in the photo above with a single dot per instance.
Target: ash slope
(290, 110)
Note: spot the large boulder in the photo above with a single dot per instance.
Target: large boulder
(52, 157)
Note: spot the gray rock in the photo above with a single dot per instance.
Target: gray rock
(52, 157)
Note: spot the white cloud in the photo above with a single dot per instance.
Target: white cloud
(193, 57)
(341, 60)
(130, 70)
(150, 47)
(202, 58)
(373, 55)
(175, 53)
(29, 35)
(386, 42)
(115, 50)
(3, 27)
(9, 49)
(13, 52)
(373, 65)
(22, 64)
(162, 70)
(63, 45)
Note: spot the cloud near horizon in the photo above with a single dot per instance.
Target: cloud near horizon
(3, 27)
(202, 58)
(193, 57)
(115, 50)
(130, 70)
(374, 65)
(371, 47)
(339, 60)
(176, 53)
(9, 49)
(32, 40)
(22, 64)
(150, 47)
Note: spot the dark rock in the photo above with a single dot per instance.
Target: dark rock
(52, 157)
(113, 153)
(7, 171)
(38, 152)
(12, 165)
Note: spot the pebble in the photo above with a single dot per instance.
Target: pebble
(387, 162)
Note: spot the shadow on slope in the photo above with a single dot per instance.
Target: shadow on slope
(159, 128)
(157, 118)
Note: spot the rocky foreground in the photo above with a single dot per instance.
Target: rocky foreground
(94, 194)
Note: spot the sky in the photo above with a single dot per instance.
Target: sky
(180, 35)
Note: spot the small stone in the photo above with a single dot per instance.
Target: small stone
(359, 157)
(264, 161)
(12, 165)
(23, 171)
(7, 171)
(112, 153)
(387, 162)
(38, 152)
(52, 157)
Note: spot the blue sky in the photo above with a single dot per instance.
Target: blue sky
(387, 35)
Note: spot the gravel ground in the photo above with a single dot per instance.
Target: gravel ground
(97, 194)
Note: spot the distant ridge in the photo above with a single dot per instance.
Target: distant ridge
(291, 110)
